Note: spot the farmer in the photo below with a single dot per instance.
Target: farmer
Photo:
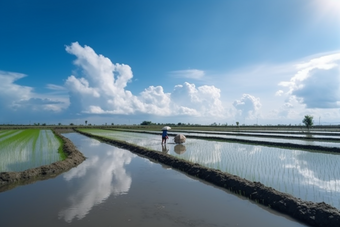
(164, 136)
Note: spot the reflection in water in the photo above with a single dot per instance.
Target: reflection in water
(310, 176)
(164, 148)
(308, 135)
(307, 175)
(180, 149)
(313, 171)
(19, 152)
(105, 175)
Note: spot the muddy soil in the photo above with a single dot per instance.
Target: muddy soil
(9, 180)
(314, 214)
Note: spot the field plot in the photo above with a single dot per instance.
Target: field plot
(311, 176)
(25, 149)
(114, 187)
(296, 140)
(299, 135)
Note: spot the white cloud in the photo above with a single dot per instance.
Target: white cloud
(17, 99)
(200, 101)
(247, 107)
(155, 101)
(55, 87)
(279, 93)
(102, 91)
(189, 73)
(317, 83)
(11, 93)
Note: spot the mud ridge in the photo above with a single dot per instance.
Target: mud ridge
(314, 214)
(9, 180)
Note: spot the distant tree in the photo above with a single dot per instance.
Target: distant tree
(308, 121)
(237, 123)
(85, 122)
(179, 123)
(146, 123)
(59, 123)
(43, 124)
(71, 124)
(112, 124)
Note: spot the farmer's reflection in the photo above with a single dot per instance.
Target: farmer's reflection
(99, 176)
(164, 148)
(180, 149)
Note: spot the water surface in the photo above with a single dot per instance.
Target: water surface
(311, 176)
(114, 187)
(25, 149)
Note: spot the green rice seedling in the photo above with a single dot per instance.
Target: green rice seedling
(292, 171)
(24, 149)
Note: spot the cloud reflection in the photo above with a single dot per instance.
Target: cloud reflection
(99, 176)
(316, 170)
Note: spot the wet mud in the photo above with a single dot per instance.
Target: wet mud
(310, 213)
(9, 180)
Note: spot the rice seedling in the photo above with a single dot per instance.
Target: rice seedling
(30, 148)
(308, 175)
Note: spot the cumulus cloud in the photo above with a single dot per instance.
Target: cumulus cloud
(190, 100)
(11, 93)
(279, 93)
(317, 82)
(190, 74)
(17, 99)
(291, 109)
(102, 90)
(247, 107)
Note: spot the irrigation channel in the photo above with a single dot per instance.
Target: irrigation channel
(114, 187)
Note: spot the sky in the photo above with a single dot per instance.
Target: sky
(169, 61)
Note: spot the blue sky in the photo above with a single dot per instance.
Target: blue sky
(197, 62)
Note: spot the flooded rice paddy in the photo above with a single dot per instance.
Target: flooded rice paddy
(114, 187)
(311, 176)
(25, 149)
(301, 135)
(295, 140)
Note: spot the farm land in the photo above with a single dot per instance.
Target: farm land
(23, 141)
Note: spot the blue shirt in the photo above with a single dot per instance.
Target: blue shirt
(165, 133)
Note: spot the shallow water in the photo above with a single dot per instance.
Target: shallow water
(114, 187)
(31, 149)
(296, 140)
(299, 136)
(311, 176)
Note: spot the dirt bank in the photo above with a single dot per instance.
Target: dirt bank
(9, 180)
(314, 214)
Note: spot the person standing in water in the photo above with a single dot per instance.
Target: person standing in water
(164, 136)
